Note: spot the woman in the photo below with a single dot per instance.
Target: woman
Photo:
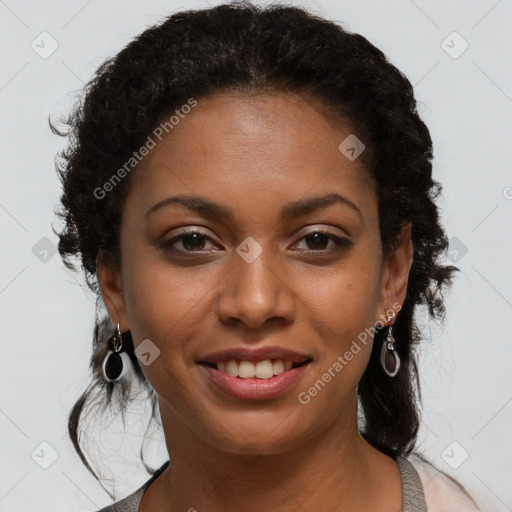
(250, 193)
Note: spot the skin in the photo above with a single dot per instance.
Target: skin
(254, 155)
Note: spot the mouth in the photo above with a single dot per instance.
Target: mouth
(264, 369)
(262, 373)
(255, 373)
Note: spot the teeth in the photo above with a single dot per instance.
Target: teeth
(232, 368)
(278, 367)
(246, 369)
(262, 369)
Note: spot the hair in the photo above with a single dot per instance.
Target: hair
(246, 50)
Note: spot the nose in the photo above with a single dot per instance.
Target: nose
(254, 293)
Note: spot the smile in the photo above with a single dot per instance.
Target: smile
(264, 370)
(263, 374)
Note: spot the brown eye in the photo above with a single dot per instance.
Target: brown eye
(316, 241)
(191, 241)
(195, 241)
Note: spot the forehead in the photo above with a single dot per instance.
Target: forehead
(252, 152)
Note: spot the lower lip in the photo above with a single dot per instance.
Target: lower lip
(254, 388)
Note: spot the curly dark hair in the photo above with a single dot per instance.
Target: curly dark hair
(245, 49)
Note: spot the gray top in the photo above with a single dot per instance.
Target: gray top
(412, 491)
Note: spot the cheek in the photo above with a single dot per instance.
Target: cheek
(346, 298)
(162, 302)
(164, 306)
(343, 307)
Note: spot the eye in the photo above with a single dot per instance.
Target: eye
(191, 241)
(317, 240)
(195, 241)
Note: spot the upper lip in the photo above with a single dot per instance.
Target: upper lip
(255, 355)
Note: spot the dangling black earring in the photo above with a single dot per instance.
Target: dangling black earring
(117, 362)
(389, 358)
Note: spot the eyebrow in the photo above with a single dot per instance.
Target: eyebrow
(209, 208)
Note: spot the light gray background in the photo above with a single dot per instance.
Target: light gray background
(47, 316)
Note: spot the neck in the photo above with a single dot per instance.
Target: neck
(334, 470)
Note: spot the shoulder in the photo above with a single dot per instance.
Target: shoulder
(128, 504)
(131, 502)
(442, 492)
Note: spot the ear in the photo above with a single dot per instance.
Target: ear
(395, 273)
(110, 282)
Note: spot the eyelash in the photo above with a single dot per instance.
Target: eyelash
(341, 243)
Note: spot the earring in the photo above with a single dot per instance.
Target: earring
(116, 363)
(388, 356)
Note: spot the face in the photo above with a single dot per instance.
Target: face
(266, 275)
